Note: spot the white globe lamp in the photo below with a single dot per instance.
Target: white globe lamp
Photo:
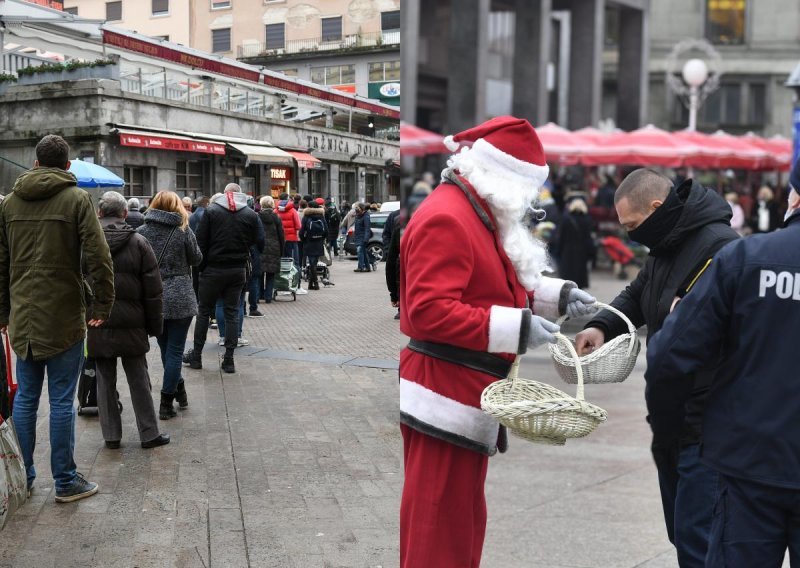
(695, 72)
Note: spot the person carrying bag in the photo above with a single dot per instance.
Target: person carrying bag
(13, 479)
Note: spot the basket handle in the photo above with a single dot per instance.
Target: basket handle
(578, 367)
(610, 308)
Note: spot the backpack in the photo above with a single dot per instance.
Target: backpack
(316, 229)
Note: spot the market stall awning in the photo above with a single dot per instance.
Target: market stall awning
(160, 141)
(416, 141)
(562, 146)
(264, 154)
(305, 160)
(647, 146)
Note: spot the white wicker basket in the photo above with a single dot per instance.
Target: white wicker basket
(611, 363)
(539, 412)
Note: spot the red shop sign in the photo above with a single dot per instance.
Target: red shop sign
(166, 143)
(280, 174)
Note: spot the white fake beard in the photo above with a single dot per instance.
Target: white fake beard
(509, 201)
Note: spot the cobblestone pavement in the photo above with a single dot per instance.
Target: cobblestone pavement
(296, 461)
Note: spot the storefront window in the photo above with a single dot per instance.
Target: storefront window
(317, 182)
(384, 71)
(347, 187)
(371, 187)
(725, 21)
(335, 75)
(191, 177)
(138, 181)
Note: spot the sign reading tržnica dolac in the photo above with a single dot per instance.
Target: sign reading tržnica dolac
(338, 145)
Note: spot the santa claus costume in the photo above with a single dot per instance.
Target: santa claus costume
(470, 272)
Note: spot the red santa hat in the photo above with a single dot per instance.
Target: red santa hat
(505, 143)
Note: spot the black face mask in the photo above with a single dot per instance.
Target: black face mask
(660, 223)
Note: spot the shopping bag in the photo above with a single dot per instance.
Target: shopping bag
(9, 386)
(13, 479)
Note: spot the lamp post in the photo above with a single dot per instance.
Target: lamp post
(695, 73)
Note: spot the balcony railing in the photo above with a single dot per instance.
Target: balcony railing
(315, 45)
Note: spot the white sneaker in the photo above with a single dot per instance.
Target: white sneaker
(221, 342)
(243, 342)
(301, 291)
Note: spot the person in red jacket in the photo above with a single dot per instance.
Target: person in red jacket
(291, 229)
(470, 271)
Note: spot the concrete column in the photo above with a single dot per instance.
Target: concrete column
(409, 60)
(632, 75)
(333, 181)
(531, 56)
(466, 64)
(586, 62)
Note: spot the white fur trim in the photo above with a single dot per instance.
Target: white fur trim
(531, 173)
(504, 329)
(450, 144)
(447, 414)
(546, 297)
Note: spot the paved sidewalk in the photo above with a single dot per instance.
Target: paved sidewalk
(296, 461)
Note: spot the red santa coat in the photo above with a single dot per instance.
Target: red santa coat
(458, 287)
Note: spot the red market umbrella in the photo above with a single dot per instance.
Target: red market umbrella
(415, 141)
(721, 151)
(562, 146)
(648, 146)
(778, 149)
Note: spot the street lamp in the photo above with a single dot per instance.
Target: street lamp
(695, 73)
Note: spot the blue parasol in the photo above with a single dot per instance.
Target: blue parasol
(92, 175)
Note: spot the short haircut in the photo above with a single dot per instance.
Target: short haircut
(267, 202)
(233, 188)
(52, 152)
(202, 201)
(133, 204)
(112, 204)
(641, 187)
(170, 201)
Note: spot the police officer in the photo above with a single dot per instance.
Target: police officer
(746, 308)
(683, 226)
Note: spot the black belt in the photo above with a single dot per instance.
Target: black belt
(488, 363)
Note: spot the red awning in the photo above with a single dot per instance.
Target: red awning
(416, 141)
(305, 160)
(166, 142)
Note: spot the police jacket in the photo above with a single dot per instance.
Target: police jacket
(227, 230)
(702, 229)
(747, 306)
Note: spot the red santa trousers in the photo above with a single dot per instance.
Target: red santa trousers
(443, 509)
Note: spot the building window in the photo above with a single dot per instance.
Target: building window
(221, 40)
(384, 71)
(138, 181)
(160, 7)
(190, 177)
(335, 75)
(735, 106)
(276, 36)
(725, 21)
(219, 4)
(757, 105)
(390, 21)
(73, 10)
(113, 11)
(317, 179)
(288, 72)
(332, 29)
(164, 37)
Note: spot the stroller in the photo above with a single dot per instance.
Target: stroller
(323, 270)
(287, 281)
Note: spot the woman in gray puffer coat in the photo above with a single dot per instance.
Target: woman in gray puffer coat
(166, 226)
(273, 246)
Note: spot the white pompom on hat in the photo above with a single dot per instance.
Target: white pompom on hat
(507, 143)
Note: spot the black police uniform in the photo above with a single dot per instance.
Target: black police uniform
(746, 308)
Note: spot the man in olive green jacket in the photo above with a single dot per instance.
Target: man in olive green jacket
(47, 225)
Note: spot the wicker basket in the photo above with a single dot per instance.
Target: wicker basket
(538, 412)
(611, 363)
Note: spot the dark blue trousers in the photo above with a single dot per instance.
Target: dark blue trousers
(688, 492)
(753, 525)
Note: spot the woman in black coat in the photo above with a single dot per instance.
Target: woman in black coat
(274, 241)
(313, 233)
(574, 245)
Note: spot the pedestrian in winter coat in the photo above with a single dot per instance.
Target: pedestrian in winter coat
(227, 231)
(349, 219)
(291, 229)
(194, 219)
(46, 225)
(166, 227)
(274, 242)
(333, 219)
(137, 314)
(361, 235)
(313, 233)
(393, 252)
(765, 216)
(683, 227)
(134, 218)
(574, 245)
(741, 317)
